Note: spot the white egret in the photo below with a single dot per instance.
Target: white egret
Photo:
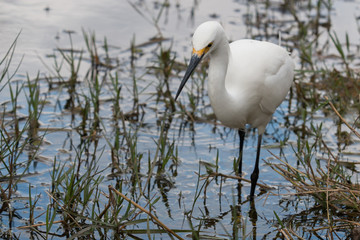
(248, 80)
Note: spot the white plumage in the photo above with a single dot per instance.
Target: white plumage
(248, 80)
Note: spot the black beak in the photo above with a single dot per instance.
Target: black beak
(194, 61)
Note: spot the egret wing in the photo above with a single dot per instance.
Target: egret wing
(277, 83)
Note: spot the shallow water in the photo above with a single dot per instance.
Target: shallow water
(42, 26)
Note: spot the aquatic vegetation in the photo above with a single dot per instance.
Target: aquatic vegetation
(95, 147)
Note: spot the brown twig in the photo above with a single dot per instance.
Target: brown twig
(294, 233)
(330, 233)
(137, 214)
(62, 208)
(145, 211)
(285, 234)
(341, 118)
(317, 190)
(38, 225)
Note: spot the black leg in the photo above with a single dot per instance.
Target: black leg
(242, 138)
(253, 218)
(255, 174)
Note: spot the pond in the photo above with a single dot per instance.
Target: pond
(93, 145)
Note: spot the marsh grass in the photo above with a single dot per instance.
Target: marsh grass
(328, 181)
(17, 136)
(79, 205)
(106, 108)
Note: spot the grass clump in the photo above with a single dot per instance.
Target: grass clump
(328, 180)
(17, 135)
(125, 137)
(80, 204)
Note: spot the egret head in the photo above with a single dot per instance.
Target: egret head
(204, 41)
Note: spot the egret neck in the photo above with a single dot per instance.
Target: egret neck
(221, 100)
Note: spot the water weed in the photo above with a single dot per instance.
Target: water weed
(97, 148)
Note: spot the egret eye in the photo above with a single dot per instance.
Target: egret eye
(209, 45)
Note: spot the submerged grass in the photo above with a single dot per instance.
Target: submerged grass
(80, 206)
(105, 109)
(16, 137)
(329, 181)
